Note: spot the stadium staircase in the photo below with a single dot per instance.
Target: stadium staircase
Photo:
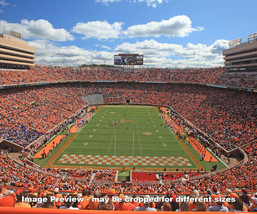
(92, 177)
(93, 99)
(159, 178)
(98, 98)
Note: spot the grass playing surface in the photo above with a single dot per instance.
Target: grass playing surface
(126, 131)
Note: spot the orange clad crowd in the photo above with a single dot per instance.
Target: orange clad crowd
(26, 114)
(52, 74)
(39, 185)
(19, 175)
(238, 79)
(187, 75)
(227, 116)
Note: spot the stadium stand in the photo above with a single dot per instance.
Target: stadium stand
(58, 74)
(143, 176)
(17, 176)
(27, 114)
(227, 116)
(231, 113)
(239, 79)
(53, 74)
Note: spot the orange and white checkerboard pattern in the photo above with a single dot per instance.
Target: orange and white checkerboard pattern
(102, 160)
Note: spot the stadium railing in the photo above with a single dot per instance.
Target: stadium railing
(15, 210)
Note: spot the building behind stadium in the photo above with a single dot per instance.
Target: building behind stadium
(15, 53)
(241, 56)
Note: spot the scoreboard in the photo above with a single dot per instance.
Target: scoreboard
(128, 59)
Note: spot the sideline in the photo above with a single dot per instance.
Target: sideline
(197, 163)
(49, 163)
(49, 146)
(98, 109)
(158, 112)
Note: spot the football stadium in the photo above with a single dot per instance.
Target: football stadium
(127, 137)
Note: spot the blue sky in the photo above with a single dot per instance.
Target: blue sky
(169, 33)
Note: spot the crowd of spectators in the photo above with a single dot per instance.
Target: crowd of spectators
(113, 200)
(20, 175)
(227, 116)
(183, 128)
(105, 175)
(187, 75)
(238, 79)
(26, 114)
(43, 185)
(51, 74)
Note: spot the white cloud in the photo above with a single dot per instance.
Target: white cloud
(151, 3)
(219, 45)
(156, 54)
(148, 48)
(173, 55)
(47, 53)
(3, 3)
(177, 26)
(106, 47)
(37, 29)
(106, 2)
(103, 46)
(98, 29)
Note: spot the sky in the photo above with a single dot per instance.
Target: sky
(169, 33)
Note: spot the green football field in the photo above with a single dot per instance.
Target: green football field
(132, 135)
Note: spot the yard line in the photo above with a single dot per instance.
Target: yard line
(139, 140)
(133, 147)
(115, 143)
(110, 145)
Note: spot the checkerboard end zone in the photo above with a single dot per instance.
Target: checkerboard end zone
(105, 160)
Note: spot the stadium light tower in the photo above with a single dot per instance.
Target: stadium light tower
(252, 37)
(15, 34)
(234, 42)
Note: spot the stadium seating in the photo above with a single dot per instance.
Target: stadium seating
(18, 176)
(239, 79)
(227, 116)
(143, 176)
(54, 74)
